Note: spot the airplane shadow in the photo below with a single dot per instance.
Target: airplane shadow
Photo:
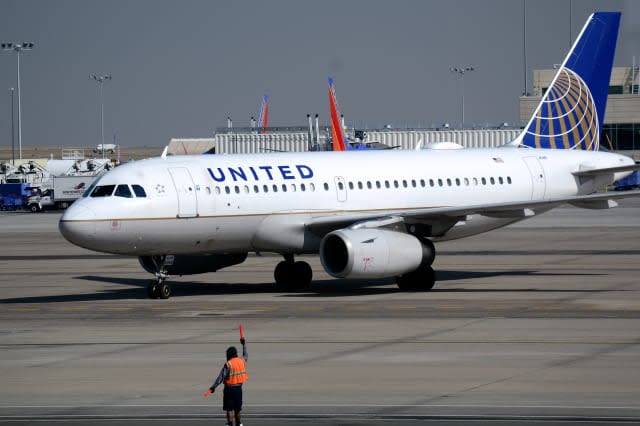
(135, 288)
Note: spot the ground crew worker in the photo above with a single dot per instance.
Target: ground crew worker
(233, 374)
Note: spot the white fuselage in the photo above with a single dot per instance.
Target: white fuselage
(239, 203)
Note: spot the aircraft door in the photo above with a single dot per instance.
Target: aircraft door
(341, 188)
(186, 190)
(538, 181)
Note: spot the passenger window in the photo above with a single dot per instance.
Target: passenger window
(275, 188)
(340, 186)
(422, 183)
(457, 182)
(493, 181)
(439, 182)
(139, 191)
(256, 189)
(508, 180)
(413, 183)
(449, 182)
(369, 184)
(246, 189)
(217, 189)
(359, 185)
(227, 190)
(208, 191)
(350, 185)
(326, 186)
(404, 183)
(123, 191)
(293, 187)
(265, 188)
(284, 188)
(303, 188)
(237, 188)
(466, 181)
(431, 183)
(475, 181)
(387, 184)
(501, 180)
(396, 184)
(312, 187)
(378, 185)
(484, 181)
(103, 191)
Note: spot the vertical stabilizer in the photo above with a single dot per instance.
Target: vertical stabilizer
(337, 131)
(263, 117)
(571, 112)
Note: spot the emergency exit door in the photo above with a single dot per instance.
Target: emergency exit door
(186, 191)
(538, 181)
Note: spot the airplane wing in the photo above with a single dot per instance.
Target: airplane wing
(447, 216)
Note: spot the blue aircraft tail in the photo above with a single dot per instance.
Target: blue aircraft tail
(571, 112)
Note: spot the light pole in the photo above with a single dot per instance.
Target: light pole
(100, 79)
(13, 133)
(18, 48)
(461, 71)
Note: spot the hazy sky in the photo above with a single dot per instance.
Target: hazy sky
(181, 67)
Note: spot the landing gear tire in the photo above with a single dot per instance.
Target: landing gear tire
(153, 290)
(164, 290)
(422, 279)
(291, 275)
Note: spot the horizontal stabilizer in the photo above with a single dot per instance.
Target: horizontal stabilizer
(609, 170)
(595, 204)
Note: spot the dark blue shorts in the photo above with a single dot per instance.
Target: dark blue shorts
(232, 398)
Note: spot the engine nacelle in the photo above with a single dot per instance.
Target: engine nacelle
(372, 253)
(189, 264)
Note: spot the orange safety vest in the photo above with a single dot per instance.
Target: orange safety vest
(237, 372)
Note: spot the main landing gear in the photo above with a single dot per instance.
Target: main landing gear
(291, 275)
(159, 288)
(423, 278)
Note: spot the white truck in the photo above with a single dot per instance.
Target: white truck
(64, 191)
(108, 148)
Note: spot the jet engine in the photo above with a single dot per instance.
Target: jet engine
(373, 253)
(194, 264)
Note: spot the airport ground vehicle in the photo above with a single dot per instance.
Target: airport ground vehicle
(108, 147)
(64, 191)
(630, 182)
(13, 196)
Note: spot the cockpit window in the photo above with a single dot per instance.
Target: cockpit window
(103, 191)
(90, 189)
(139, 191)
(123, 191)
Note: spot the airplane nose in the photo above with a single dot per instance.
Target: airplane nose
(77, 227)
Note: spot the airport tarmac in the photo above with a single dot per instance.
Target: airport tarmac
(537, 323)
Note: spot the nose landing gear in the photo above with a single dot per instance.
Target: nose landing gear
(159, 288)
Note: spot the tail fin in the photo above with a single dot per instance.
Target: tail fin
(339, 139)
(263, 118)
(571, 112)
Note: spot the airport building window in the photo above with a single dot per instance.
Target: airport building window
(139, 191)
(123, 191)
(103, 191)
(621, 136)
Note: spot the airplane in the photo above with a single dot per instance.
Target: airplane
(263, 117)
(369, 214)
